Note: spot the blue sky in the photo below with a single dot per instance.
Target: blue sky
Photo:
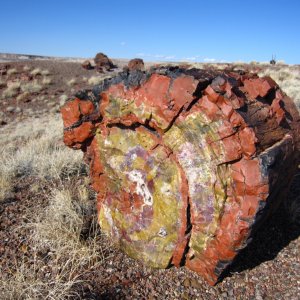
(215, 30)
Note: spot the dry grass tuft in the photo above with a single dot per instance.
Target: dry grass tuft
(71, 82)
(23, 96)
(45, 73)
(32, 87)
(36, 71)
(2, 82)
(62, 99)
(5, 185)
(57, 232)
(11, 91)
(12, 71)
(46, 81)
(26, 68)
(35, 148)
(288, 78)
(94, 80)
(64, 232)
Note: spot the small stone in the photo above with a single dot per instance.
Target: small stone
(224, 295)
(196, 283)
(87, 65)
(187, 282)
(136, 64)
(10, 109)
(102, 63)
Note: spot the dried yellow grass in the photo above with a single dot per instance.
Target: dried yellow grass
(94, 80)
(39, 152)
(11, 71)
(46, 81)
(12, 90)
(32, 87)
(71, 82)
(36, 71)
(288, 78)
(35, 148)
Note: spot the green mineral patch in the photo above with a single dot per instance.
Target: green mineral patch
(118, 108)
(152, 225)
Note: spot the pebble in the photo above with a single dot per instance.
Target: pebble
(224, 295)
(10, 109)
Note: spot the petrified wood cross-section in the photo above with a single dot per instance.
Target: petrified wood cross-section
(185, 162)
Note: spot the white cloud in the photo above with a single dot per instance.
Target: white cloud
(214, 60)
(192, 58)
(170, 57)
(209, 59)
(156, 56)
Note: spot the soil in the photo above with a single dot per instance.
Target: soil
(269, 268)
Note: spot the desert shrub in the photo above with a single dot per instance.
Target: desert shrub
(46, 81)
(31, 87)
(11, 91)
(11, 71)
(40, 151)
(5, 185)
(71, 82)
(36, 71)
(45, 72)
(2, 82)
(62, 99)
(57, 232)
(94, 80)
(288, 78)
(26, 68)
(22, 96)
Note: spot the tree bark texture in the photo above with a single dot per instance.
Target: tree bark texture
(185, 162)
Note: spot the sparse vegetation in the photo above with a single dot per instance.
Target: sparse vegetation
(57, 231)
(26, 68)
(11, 71)
(45, 73)
(32, 87)
(41, 154)
(22, 96)
(288, 78)
(71, 82)
(94, 80)
(12, 90)
(36, 71)
(34, 150)
(62, 99)
(2, 82)
(46, 81)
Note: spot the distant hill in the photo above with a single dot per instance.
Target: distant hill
(21, 57)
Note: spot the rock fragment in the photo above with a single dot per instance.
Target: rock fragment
(103, 63)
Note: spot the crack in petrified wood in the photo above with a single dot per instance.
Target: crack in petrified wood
(182, 161)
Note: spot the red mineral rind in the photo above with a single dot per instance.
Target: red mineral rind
(241, 144)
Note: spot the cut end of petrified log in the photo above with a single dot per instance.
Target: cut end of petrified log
(185, 162)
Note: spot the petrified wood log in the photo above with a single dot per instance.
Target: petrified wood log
(185, 163)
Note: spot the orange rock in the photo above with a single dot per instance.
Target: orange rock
(182, 168)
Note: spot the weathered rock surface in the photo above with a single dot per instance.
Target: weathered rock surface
(136, 64)
(186, 163)
(87, 65)
(103, 63)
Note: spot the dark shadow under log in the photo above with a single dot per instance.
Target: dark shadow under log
(186, 162)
